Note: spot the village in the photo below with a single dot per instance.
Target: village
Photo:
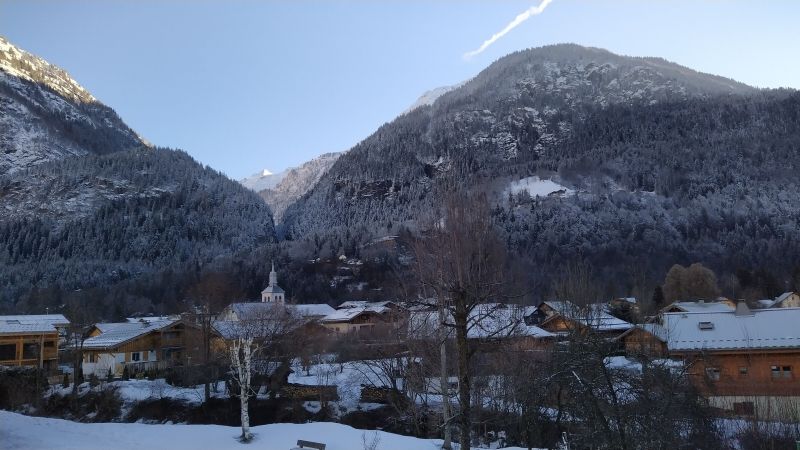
(396, 359)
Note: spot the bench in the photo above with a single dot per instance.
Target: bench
(308, 444)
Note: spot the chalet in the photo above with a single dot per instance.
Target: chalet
(364, 319)
(562, 318)
(489, 325)
(31, 340)
(785, 300)
(139, 343)
(743, 360)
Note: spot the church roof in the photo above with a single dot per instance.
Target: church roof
(273, 289)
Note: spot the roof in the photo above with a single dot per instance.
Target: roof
(347, 314)
(273, 290)
(595, 315)
(701, 306)
(120, 332)
(487, 321)
(781, 298)
(761, 329)
(32, 323)
(257, 308)
(364, 303)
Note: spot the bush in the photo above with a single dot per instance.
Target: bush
(65, 383)
(20, 386)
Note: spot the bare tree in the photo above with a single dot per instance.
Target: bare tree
(462, 263)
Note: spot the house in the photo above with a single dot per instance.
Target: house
(140, 344)
(785, 300)
(490, 326)
(369, 318)
(745, 361)
(31, 340)
(562, 318)
(721, 305)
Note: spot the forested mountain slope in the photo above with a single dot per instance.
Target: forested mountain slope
(86, 205)
(45, 115)
(662, 164)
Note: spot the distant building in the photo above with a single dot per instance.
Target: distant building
(743, 360)
(140, 344)
(31, 340)
(273, 293)
(562, 318)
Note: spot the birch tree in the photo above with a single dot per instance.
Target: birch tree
(253, 340)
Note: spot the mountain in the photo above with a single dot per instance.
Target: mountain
(284, 188)
(262, 180)
(88, 207)
(657, 164)
(45, 115)
(429, 97)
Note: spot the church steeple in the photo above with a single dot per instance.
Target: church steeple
(273, 277)
(273, 293)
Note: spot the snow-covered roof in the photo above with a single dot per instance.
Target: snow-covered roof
(364, 303)
(254, 309)
(488, 321)
(595, 315)
(313, 309)
(724, 330)
(348, 314)
(273, 290)
(121, 332)
(700, 306)
(33, 323)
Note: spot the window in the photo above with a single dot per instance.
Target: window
(30, 351)
(136, 356)
(8, 352)
(743, 372)
(781, 372)
(90, 357)
(744, 408)
(713, 373)
(705, 325)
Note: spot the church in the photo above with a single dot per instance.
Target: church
(273, 293)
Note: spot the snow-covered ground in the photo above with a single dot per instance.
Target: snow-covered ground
(19, 432)
(537, 187)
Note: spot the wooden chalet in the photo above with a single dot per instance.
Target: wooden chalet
(563, 318)
(31, 340)
(140, 344)
(744, 361)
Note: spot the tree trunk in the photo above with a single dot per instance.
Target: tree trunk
(443, 381)
(465, 420)
(243, 400)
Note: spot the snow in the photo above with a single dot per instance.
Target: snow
(537, 187)
(19, 432)
(263, 180)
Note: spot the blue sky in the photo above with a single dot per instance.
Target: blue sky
(245, 85)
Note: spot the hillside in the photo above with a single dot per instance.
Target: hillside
(660, 160)
(45, 115)
(282, 189)
(87, 205)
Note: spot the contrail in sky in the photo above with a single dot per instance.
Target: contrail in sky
(533, 11)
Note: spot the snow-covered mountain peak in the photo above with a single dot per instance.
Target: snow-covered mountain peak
(21, 64)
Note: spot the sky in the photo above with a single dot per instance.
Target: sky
(245, 85)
